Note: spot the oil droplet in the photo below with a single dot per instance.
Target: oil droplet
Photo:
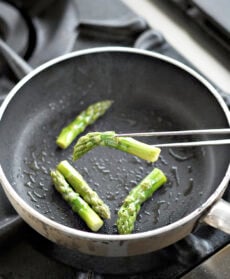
(44, 170)
(28, 184)
(110, 196)
(134, 182)
(174, 170)
(136, 160)
(179, 157)
(189, 169)
(112, 178)
(38, 195)
(99, 166)
(156, 211)
(147, 213)
(28, 172)
(162, 159)
(141, 169)
(52, 106)
(32, 179)
(190, 187)
(96, 184)
(31, 196)
(86, 171)
(139, 177)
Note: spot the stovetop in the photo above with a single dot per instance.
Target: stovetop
(40, 32)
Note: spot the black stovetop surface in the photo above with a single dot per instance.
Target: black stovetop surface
(48, 30)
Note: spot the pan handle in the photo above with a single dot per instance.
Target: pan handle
(219, 216)
(16, 63)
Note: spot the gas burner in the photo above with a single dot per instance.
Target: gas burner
(192, 249)
(40, 31)
(17, 31)
(99, 264)
(16, 28)
(29, 31)
(187, 252)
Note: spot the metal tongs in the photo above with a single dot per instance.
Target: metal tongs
(185, 133)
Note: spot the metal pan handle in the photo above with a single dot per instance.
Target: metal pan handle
(219, 216)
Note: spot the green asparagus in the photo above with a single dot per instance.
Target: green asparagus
(127, 214)
(80, 186)
(126, 144)
(79, 124)
(77, 204)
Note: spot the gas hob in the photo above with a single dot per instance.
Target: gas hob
(59, 27)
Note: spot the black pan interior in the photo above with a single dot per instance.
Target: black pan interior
(149, 94)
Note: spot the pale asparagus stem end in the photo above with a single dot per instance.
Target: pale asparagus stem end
(129, 145)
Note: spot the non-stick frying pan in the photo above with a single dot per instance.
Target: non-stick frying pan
(150, 92)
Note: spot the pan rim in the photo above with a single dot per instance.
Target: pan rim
(9, 190)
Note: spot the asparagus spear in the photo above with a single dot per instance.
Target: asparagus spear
(79, 124)
(80, 186)
(126, 144)
(77, 204)
(127, 214)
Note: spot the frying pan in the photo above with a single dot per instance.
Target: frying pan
(150, 92)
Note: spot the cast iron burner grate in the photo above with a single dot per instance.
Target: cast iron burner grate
(17, 29)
